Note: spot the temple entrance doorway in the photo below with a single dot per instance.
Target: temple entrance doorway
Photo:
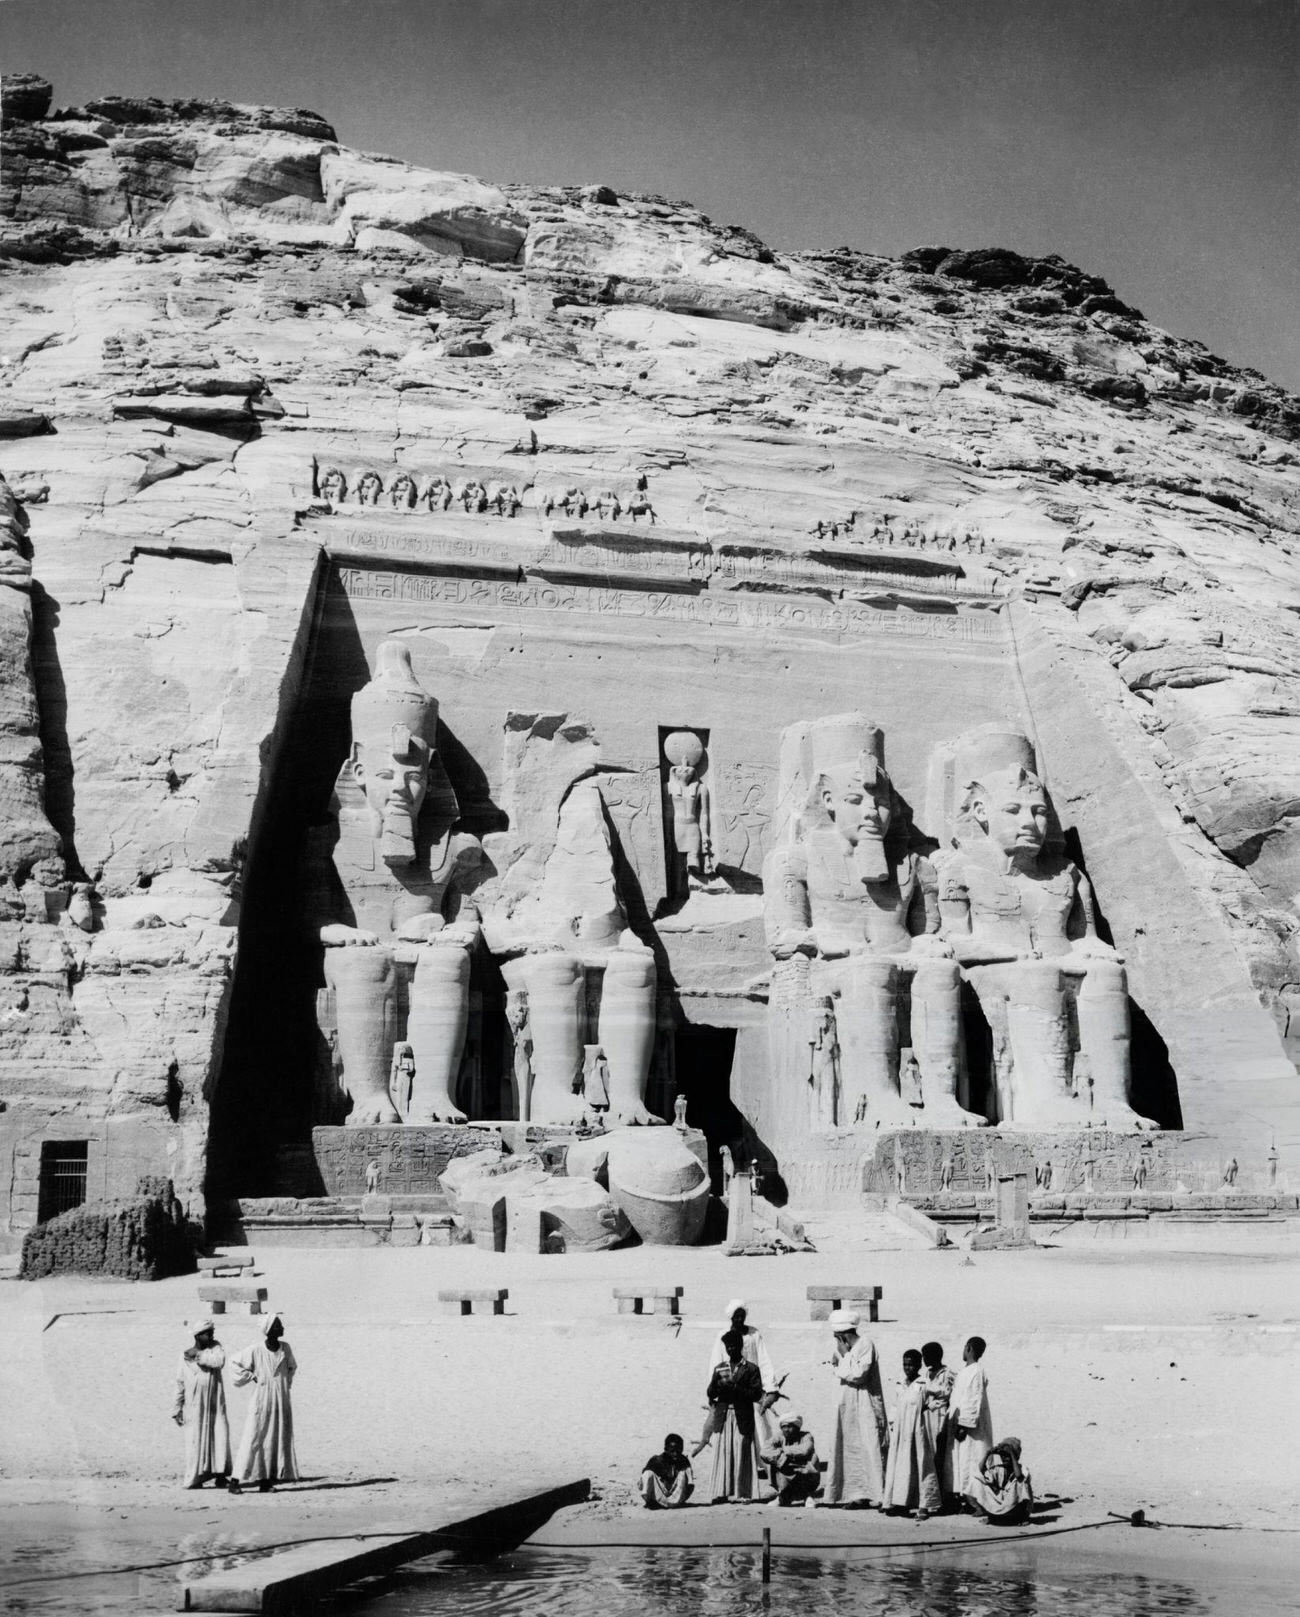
(703, 1058)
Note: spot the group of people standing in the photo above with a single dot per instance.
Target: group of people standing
(936, 1453)
(266, 1453)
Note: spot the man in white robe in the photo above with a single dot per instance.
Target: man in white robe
(200, 1407)
(970, 1425)
(266, 1453)
(754, 1352)
(857, 1472)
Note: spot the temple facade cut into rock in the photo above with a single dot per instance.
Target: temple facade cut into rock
(495, 672)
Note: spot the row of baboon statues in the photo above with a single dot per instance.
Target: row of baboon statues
(405, 493)
(871, 937)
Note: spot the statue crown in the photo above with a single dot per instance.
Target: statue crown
(394, 706)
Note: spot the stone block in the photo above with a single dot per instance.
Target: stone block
(578, 1215)
(405, 1230)
(484, 1215)
(632, 1299)
(997, 1238)
(220, 1299)
(524, 1232)
(481, 1165)
(225, 1263)
(824, 1300)
(462, 1299)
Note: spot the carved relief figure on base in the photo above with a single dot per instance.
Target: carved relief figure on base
(1020, 919)
(394, 896)
(846, 888)
(823, 1068)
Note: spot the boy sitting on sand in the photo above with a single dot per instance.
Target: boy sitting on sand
(667, 1481)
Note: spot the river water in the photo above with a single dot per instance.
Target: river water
(727, 1583)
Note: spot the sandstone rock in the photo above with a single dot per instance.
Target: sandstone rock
(25, 97)
(23, 423)
(578, 1211)
(522, 1170)
(969, 481)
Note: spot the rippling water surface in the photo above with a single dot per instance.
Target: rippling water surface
(702, 1583)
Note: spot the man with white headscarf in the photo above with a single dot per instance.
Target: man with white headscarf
(792, 1463)
(857, 1473)
(754, 1352)
(200, 1407)
(266, 1453)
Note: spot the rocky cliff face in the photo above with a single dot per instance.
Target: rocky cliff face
(207, 306)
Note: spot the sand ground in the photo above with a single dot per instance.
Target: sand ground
(1151, 1368)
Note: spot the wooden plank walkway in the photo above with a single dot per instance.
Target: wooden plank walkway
(289, 1581)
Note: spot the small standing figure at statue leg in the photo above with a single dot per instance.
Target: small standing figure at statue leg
(692, 808)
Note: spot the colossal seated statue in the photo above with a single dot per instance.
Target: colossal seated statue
(393, 893)
(1020, 919)
(846, 889)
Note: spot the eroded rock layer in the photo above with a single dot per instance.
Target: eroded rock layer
(616, 470)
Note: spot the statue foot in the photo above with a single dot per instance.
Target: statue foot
(1066, 1112)
(888, 1112)
(1120, 1118)
(366, 1114)
(438, 1111)
(944, 1113)
(632, 1113)
(566, 1110)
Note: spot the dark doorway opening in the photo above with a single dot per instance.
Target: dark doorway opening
(703, 1058)
(63, 1177)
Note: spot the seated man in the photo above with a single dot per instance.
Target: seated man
(792, 1463)
(1002, 1489)
(667, 1481)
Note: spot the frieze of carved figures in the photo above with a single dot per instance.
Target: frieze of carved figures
(404, 492)
(909, 535)
(605, 503)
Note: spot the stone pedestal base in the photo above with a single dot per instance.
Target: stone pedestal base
(410, 1158)
(932, 1166)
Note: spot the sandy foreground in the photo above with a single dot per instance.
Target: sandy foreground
(1153, 1369)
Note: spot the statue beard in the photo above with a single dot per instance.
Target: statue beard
(869, 862)
(397, 837)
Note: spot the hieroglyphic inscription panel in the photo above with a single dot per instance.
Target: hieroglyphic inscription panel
(853, 619)
(409, 1160)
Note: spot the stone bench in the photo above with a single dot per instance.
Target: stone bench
(826, 1299)
(632, 1299)
(218, 1298)
(461, 1299)
(230, 1263)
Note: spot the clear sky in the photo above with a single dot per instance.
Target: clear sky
(1154, 142)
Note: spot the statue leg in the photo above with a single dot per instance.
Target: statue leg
(866, 1017)
(1104, 1039)
(627, 1032)
(436, 1026)
(364, 984)
(936, 1041)
(556, 996)
(1038, 1022)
